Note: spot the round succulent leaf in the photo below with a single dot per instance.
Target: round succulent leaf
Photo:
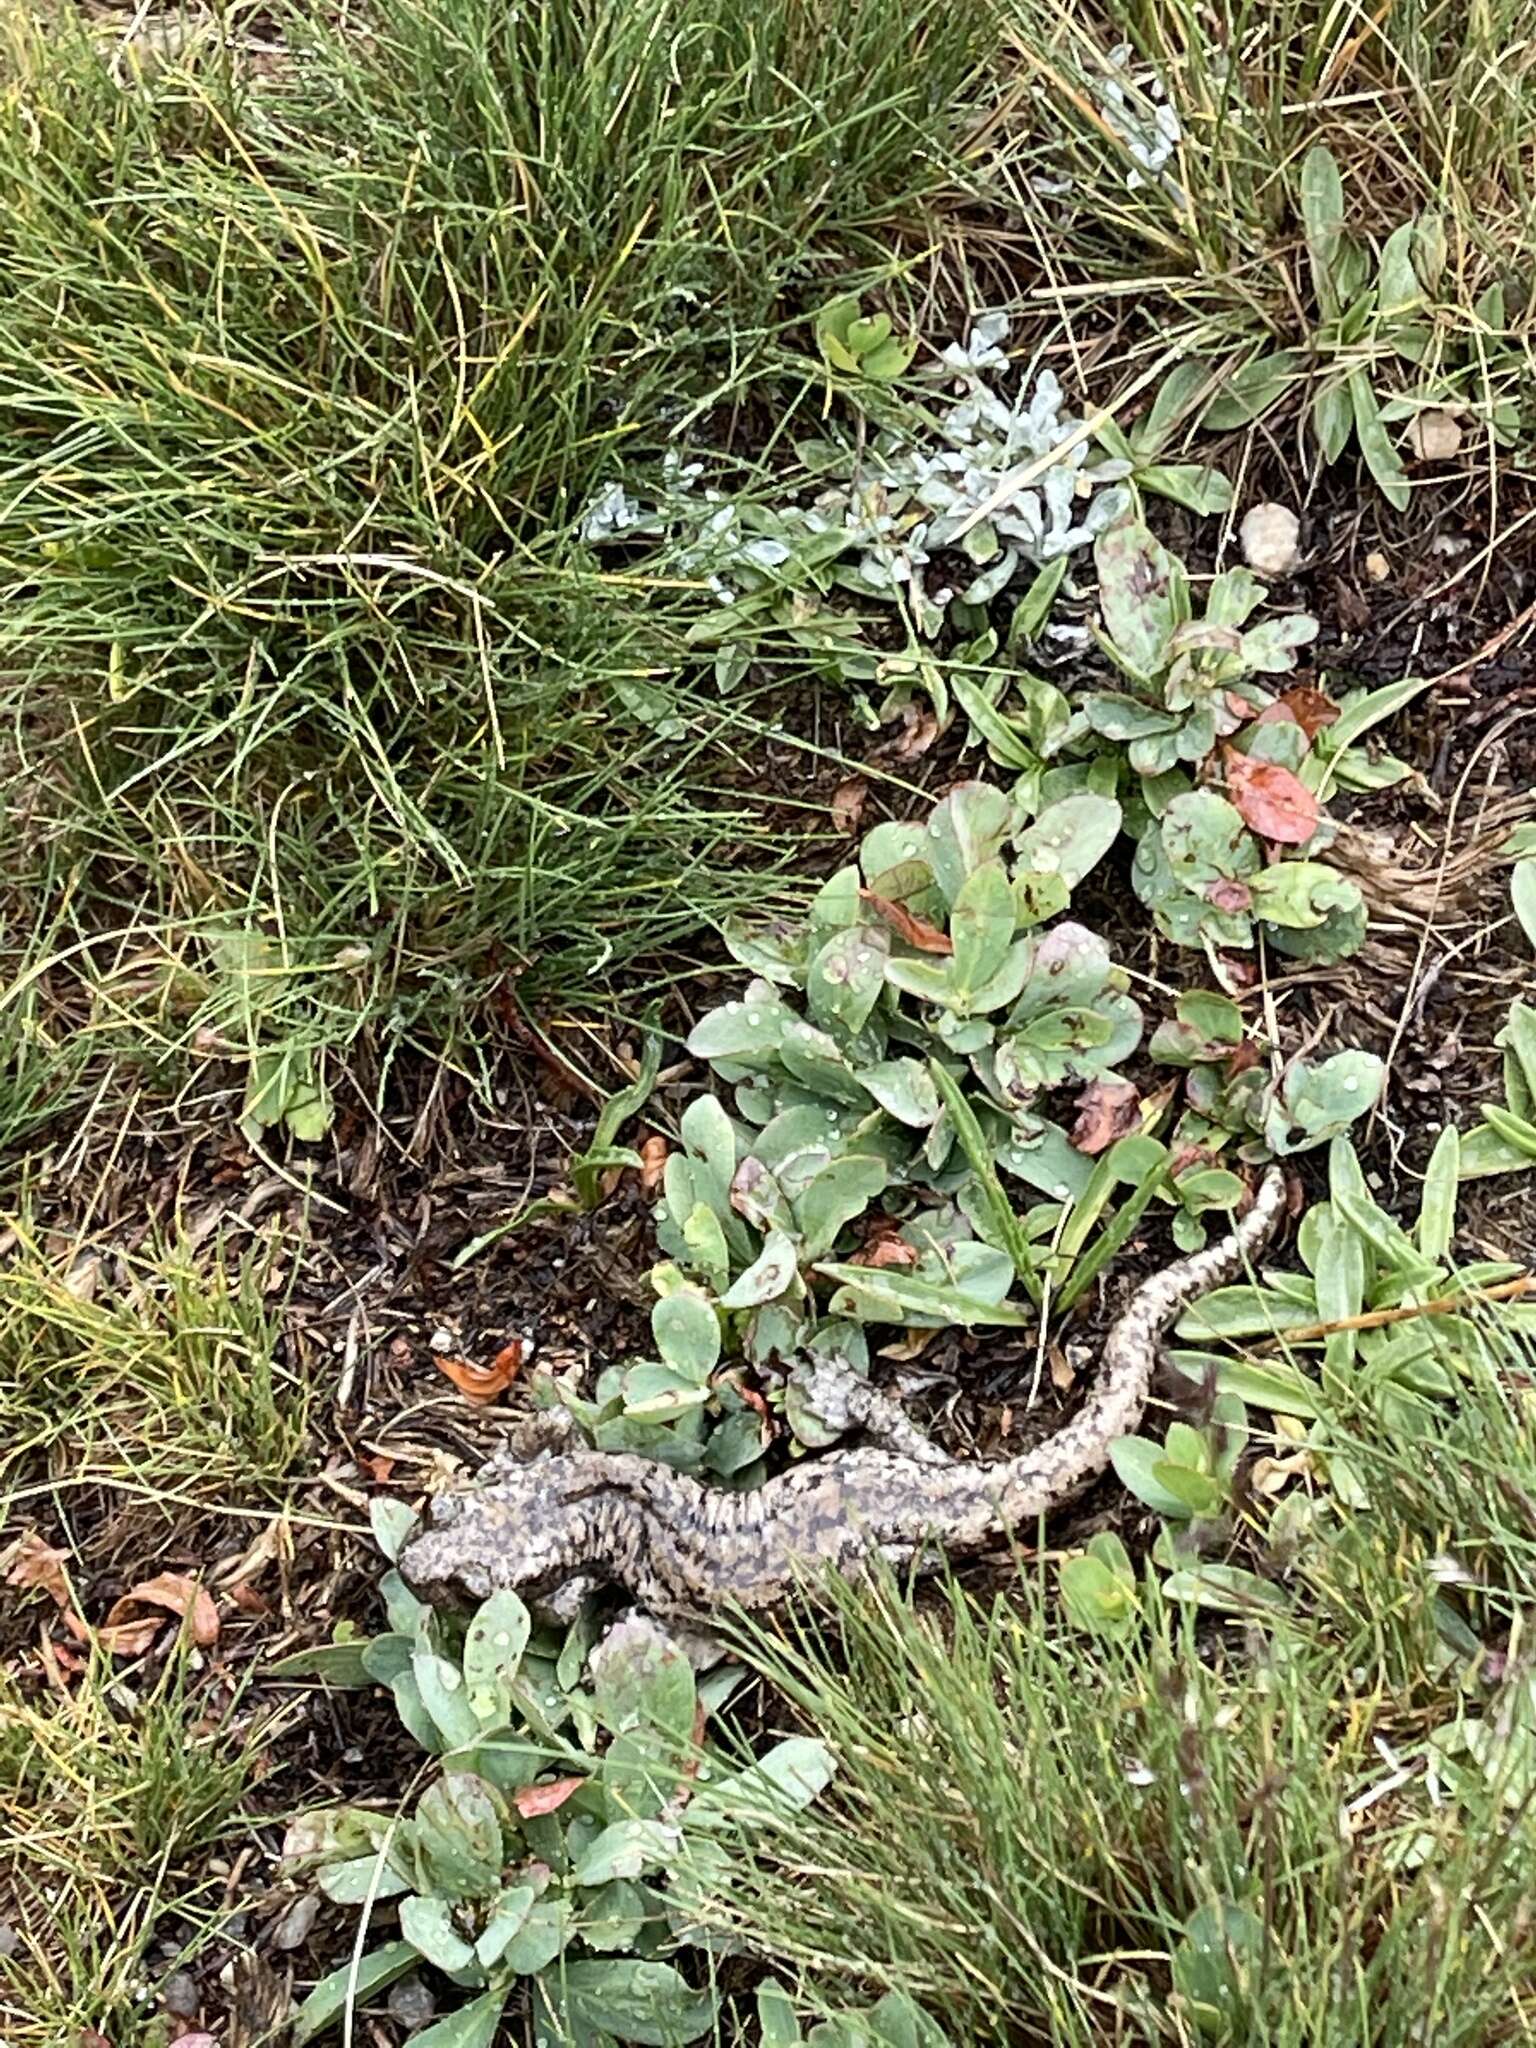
(649, 2004)
(641, 1679)
(846, 977)
(771, 1274)
(842, 1190)
(494, 1643)
(428, 1925)
(835, 905)
(1070, 837)
(981, 927)
(968, 828)
(904, 1089)
(440, 1686)
(458, 1836)
(659, 1393)
(687, 1334)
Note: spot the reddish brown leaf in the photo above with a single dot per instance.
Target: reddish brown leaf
(34, 1563)
(127, 1634)
(485, 1382)
(537, 1799)
(1106, 1110)
(653, 1154)
(886, 1251)
(1241, 1058)
(848, 801)
(1229, 895)
(1276, 803)
(914, 931)
(1311, 709)
(1278, 713)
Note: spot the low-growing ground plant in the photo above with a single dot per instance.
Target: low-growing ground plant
(568, 1840)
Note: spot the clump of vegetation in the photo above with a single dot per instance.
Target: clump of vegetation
(570, 1838)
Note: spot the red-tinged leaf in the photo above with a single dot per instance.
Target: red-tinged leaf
(1240, 1059)
(1311, 709)
(919, 731)
(177, 1595)
(848, 801)
(916, 932)
(1273, 801)
(886, 1251)
(1106, 1110)
(1229, 894)
(1278, 713)
(485, 1382)
(537, 1799)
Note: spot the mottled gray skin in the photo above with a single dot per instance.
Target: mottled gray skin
(683, 1549)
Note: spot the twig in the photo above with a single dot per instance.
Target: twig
(1442, 1305)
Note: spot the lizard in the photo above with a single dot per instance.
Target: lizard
(548, 1526)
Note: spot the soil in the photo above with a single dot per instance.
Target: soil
(377, 1299)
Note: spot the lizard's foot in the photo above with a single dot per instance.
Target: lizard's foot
(843, 1401)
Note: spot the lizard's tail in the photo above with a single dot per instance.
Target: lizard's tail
(1057, 1470)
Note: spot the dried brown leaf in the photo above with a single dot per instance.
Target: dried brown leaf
(1106, 1110)
(537, 1799)
(916, 932)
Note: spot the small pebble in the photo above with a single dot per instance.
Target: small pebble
(292, 1931)
(179, 1994)
(1269, 535)
(442, 1342)
(411, 2003)
(1434, 436)
(1377, 567)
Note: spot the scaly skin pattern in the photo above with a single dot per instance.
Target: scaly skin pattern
(683, 1549)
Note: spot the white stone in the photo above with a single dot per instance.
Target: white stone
(1269, 534)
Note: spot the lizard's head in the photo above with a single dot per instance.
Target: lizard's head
(529, 1530)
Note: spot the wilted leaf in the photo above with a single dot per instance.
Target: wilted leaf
(1312, 709)
(848, 801)
(533, 1800)
(1107, 1110)
(1274, 802)
(36, 1564)
(123, 1632)
(916, 932)
(485, 1382)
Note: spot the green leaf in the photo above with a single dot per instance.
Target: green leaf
(980, 926)
(774, 1270)
(969, 828)
(1397, 282)
(359, 1878)
(509, 1912)
(1253, 388)
(1136, 1461)
(777, 2026)
(687, 1334)
(787, 1779)
(1381, 458)
(539, 1940)
(1436, 1230)
(587, 1171)
(458, 1836)
(1333, 418)
(1522, 891)
(1195, 485)
(904, 1089)
(347, 1987)
(392, 1523)
(1070, 837)
(1142, 596)
(1007, 1228)
(842, 1190)
(494, 1644)
(1322, 216)
(1217, 1964)
(339, 1664)
(1279, 1388)
(1099, 1588)
(1034, 607)
(657, 1393)
(845, 978)
(624, 1849)
(1226, 1588)
(440, 1684)
(472, 2026)
(651, 2004)
(428, 1924)
(641, 1679)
